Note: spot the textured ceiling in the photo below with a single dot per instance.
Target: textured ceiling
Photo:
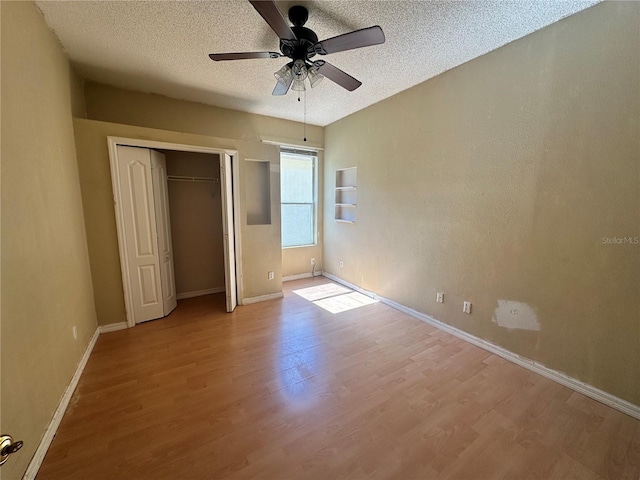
(162, 46)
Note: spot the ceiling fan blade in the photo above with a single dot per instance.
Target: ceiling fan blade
(282, 88)
(272, 15)
(348, 41)
(336, 75)
(216, 57)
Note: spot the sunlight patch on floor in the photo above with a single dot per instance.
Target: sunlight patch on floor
(345, 302)
(322, 291)
(334, 298)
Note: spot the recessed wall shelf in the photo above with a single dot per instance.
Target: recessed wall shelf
(345, 195)
(258, 196)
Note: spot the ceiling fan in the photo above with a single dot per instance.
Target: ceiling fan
(301, 44)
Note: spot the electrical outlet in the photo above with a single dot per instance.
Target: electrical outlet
(466, 307)
(271, 275)
(341, 264)
(440, 297)
(313, 262)
(75, 332)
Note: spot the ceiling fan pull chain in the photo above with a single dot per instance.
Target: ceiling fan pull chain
(305, 116)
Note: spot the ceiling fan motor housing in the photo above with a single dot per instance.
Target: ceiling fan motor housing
(304, 46)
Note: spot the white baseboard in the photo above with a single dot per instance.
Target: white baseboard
(559, 377)
(52, 428)
(113, 327)
(262, 298)
(199, 293)
(300, 276)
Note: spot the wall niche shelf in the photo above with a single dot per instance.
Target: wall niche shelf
(346, 195)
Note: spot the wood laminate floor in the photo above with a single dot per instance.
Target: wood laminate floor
(286, 390)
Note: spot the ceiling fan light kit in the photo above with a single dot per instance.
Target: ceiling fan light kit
(301, 44)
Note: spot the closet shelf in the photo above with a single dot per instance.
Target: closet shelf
(180, 178)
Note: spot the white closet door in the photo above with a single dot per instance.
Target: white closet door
(163, 223)
(136, 187)
(227, 229)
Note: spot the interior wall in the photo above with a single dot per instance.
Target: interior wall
(116, 105)
(46, 282)
(513, 182)
(196, 222)
(297, 260)
(76, 90)
(260, 245)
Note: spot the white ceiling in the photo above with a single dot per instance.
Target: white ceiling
(162, 46)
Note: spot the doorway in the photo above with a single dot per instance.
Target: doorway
(195, 206)
(141, 200)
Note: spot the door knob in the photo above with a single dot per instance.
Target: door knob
(7, 447)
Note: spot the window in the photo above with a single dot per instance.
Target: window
(298, 197)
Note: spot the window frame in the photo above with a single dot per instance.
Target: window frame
(312, 155)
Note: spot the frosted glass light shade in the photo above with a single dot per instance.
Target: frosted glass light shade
(314, 77)
(298, 86)
(299, 69)
(284, 75)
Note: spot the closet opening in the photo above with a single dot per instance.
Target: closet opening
(177, 232)
(195, 207)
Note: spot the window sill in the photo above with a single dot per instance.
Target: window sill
(300, 246)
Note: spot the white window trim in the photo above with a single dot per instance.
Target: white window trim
(313, 154)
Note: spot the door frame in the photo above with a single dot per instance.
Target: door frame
(234, 197)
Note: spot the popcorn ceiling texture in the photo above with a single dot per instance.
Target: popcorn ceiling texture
(162, 47)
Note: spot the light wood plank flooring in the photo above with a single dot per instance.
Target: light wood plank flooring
(287, 390)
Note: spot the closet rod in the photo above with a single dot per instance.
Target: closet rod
(179, 178)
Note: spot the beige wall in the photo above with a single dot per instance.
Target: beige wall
(110, 104)
(297, 260)
(196, 222)
(496, 182)
(76, 88)
(46, 283)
